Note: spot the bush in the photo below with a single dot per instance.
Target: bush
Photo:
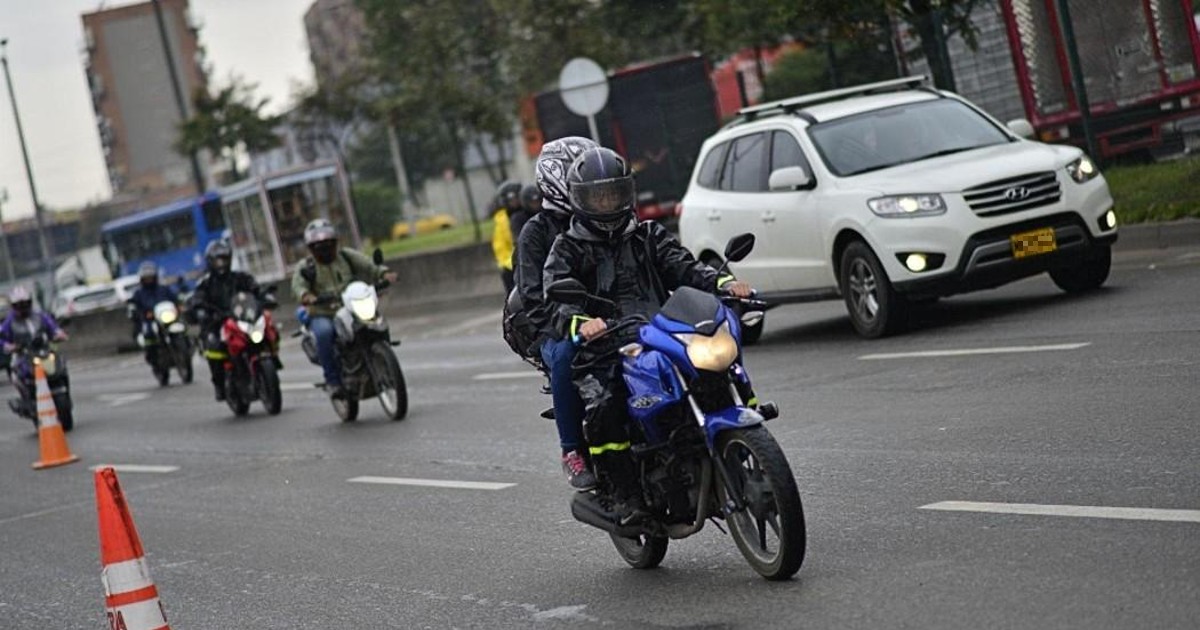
(378, 206)
(1156, 192)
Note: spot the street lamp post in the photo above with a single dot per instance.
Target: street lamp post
(8, 266)
(46, 252)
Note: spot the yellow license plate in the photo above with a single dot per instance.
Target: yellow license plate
(1033, 243)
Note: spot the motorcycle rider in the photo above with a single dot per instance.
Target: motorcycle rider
(23, 324)
(530, 204)
(327, 271)
(212, 301)
(508, 201)
(149, 293)
(635, 265)
(556, 352)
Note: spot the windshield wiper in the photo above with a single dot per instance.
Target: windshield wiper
(928, 156)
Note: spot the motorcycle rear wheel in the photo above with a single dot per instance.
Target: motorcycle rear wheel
(643, 552)
(770, 531)
(389, 381)
(268, 387)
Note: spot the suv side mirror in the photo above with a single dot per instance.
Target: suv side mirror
(1021, 127)
(788, 178)
(377, 256)
(567, 291)
(739, 247)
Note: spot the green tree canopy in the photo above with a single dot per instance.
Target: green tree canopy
(227, 121)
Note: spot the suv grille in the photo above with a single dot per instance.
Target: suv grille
(1014, 194)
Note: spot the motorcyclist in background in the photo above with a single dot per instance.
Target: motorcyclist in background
(508, 200)
(141, 305)
(634, 265)
(325, 274)
(556, 352)
(24, 323)
(212, 301)
(530, 204)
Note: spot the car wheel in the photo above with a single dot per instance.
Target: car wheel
(875, 308)
(1085, 275)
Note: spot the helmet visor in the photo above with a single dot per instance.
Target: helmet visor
(606, 196)
(220, 263)
(324, 251)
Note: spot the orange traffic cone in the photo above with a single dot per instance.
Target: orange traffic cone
(130, 597)
(51, 439)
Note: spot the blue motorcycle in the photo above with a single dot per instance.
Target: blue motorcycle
(697, 436)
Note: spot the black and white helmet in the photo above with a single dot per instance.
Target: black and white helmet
(552, 164)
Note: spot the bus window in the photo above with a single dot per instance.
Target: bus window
(214, 217)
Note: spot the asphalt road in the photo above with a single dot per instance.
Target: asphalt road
(1077, 401)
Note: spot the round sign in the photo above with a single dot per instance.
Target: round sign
(584, 86)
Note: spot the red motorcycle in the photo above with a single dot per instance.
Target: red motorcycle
(252, 361)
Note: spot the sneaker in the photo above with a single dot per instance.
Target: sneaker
(578, 475)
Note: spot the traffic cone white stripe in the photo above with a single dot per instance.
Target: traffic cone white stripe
(147, 615)
(123, 577)
(51, 441)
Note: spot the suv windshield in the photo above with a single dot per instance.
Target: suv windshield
(905, 133)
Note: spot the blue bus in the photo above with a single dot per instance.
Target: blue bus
(173, 236)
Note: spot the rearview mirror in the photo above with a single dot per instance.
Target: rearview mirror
(739, 247)
(377, 256)
(1021, 127)
(788, 178)
(567, 291)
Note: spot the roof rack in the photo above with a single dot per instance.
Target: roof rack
(792, 104)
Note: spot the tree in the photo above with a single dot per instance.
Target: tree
(226, 123)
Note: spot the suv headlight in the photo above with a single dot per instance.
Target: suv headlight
(1083, 169)
(922, 205)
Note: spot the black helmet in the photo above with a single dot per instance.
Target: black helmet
(508, 195)
(21, 301)
(218, 256)
(148, 274)
(551, 168)
(321, 238)
(531, 197)
(602, 191)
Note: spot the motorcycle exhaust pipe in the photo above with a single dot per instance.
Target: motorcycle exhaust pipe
(587, 508)
(681, 530)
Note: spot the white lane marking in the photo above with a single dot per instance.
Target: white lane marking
(138, 468)
(117, 400)
(504, 376)
(1079, 511)
(471, 324)
(974, 351)
(298, 387)
(433, 483)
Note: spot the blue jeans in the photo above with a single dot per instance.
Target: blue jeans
(322, 330)
(568, 407)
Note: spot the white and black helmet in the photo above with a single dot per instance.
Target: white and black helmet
(552, 164)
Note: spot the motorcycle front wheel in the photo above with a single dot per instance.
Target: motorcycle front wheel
(389, 381)
(643, 552)
(183, 361)
(268, 386)
(770, 530)
(66, 416)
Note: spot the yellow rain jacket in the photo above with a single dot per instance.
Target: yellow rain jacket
(502, 240)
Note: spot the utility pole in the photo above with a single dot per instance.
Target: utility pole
(180, 101)
(46, 252)
(1076, 68)
(401, 177)
(8, 266)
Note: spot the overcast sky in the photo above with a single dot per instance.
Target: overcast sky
(261, 41)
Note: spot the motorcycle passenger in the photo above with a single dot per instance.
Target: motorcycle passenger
(636, 266)
(326, 272)
(508, 201)
(556, 352)
(212, 302)
(149, 293)
(23, 325)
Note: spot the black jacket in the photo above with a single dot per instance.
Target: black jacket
(537, 237)
(214, 295)
(636, 270)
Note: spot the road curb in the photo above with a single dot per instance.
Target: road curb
(1164, 235)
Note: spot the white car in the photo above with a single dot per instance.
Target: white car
(893, 193)
(79, 300)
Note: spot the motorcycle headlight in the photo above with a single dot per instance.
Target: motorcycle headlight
(259, 331)
(50, 364)
(365, 309)
(711, 354)
(908, 205)
(168, 317)
(1083, 169)
(245, 327)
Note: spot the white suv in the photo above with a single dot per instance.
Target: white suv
(892, 193)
